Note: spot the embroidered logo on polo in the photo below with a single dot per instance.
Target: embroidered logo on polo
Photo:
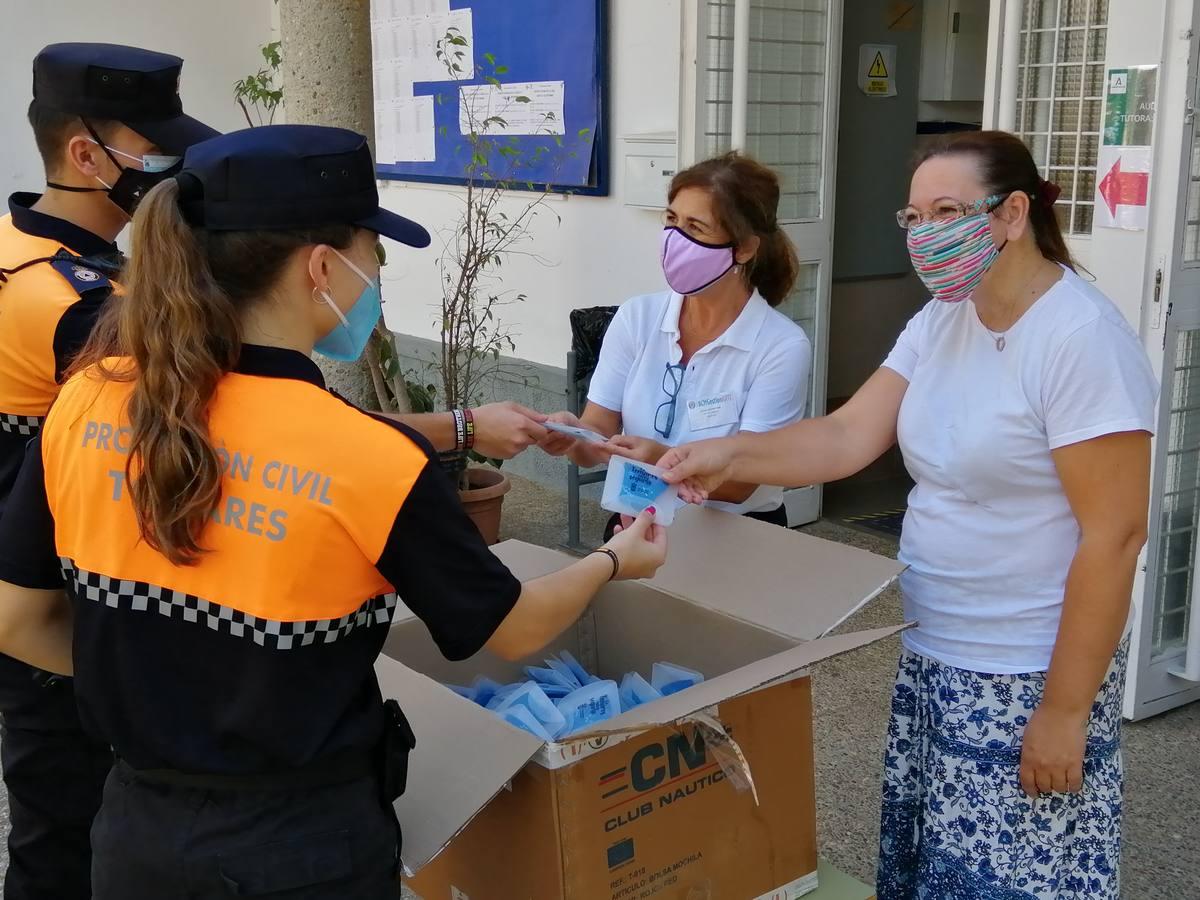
(23, 425)
(138, 596)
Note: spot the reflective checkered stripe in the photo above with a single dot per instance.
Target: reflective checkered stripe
(138, 596)
(24, 425)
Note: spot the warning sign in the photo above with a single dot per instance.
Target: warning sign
(877, 70)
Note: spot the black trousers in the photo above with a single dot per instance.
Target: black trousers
(773, 517)
(158, 842)
(54, 773)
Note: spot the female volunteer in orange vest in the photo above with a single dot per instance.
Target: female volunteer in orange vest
(234, 539)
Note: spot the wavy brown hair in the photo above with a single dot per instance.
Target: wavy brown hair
(179, 322)
(745, 198)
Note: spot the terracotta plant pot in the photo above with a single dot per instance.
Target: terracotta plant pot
(484, 498)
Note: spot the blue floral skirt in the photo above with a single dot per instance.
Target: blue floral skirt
(955, 824)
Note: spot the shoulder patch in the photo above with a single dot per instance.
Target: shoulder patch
(82, 278)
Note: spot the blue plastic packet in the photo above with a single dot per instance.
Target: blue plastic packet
(636, 690)
(630, 487)
(522, 718)
(549, 676)
(532, 697)
(464, 692)
(590, 704)
(556, 691)
(671, 679)
(582, 675)
(565, 672)
(485, 689)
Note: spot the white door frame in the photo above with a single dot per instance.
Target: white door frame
(813, 238)
(1154, 688)
(1126, 263)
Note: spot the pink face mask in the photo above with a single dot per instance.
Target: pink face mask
(690, 265)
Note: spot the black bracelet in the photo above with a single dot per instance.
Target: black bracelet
(616, 563)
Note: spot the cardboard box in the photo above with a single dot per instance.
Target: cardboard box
(704, 794)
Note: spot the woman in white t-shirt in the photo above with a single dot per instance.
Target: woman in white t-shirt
(712, 356)
(1024, 404)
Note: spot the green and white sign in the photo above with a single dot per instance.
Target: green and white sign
(1129, 106)
(1126, 156)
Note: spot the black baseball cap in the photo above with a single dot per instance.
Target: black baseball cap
(138, 88)
(287, 176)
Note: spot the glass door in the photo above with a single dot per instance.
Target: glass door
(791, 51)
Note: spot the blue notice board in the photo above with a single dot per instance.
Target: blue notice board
(538, 41)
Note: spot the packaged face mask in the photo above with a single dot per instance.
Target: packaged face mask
(581, 674)
(590, 704)
(671, 679)
(636, 690)
(631, 486)
(580, 434)
(535, 700)
(520, 717)
(485, 690)
(564, 672)
(549, 677)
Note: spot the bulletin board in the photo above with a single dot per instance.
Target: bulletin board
(552, 51)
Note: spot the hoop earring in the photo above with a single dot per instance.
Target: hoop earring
(315, 298)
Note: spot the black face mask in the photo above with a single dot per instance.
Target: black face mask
(131, 185)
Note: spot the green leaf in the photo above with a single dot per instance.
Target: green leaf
(522, 99)
(584, 132)
(490, 58)
(501, 70)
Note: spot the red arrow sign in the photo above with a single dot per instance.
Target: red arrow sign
(1124, 188)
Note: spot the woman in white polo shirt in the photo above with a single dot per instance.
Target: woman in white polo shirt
(1023, 403)
(710, 357)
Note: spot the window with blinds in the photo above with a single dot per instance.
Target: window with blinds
(1060, 98)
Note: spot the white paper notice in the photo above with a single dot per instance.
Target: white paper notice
(405, 130)
(412, 41)
(543, 114)
(382, 10)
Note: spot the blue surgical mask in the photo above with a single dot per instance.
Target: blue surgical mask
(348, 339)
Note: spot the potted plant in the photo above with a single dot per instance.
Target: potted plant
(492, 225)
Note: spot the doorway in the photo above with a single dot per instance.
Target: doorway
(910, 71)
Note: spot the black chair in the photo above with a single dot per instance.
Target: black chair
(587, 334)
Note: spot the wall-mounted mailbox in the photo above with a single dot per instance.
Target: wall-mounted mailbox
(651, 161)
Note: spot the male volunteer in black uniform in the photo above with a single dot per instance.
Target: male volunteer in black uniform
(108, 122)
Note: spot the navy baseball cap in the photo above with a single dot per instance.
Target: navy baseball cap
(287, 176)
(138, 88)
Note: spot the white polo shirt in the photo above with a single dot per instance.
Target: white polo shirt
(754, 377)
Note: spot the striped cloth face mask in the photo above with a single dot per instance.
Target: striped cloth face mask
(952, 257)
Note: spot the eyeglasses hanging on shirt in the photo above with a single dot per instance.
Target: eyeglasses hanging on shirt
(664, 416)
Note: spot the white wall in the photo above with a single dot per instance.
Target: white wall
(603, 251)
(219, 41)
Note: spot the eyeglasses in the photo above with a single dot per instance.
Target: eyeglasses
(948, 211)
(672, 383)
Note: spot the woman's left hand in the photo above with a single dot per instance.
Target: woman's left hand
(1052, 753)
(633, 447)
